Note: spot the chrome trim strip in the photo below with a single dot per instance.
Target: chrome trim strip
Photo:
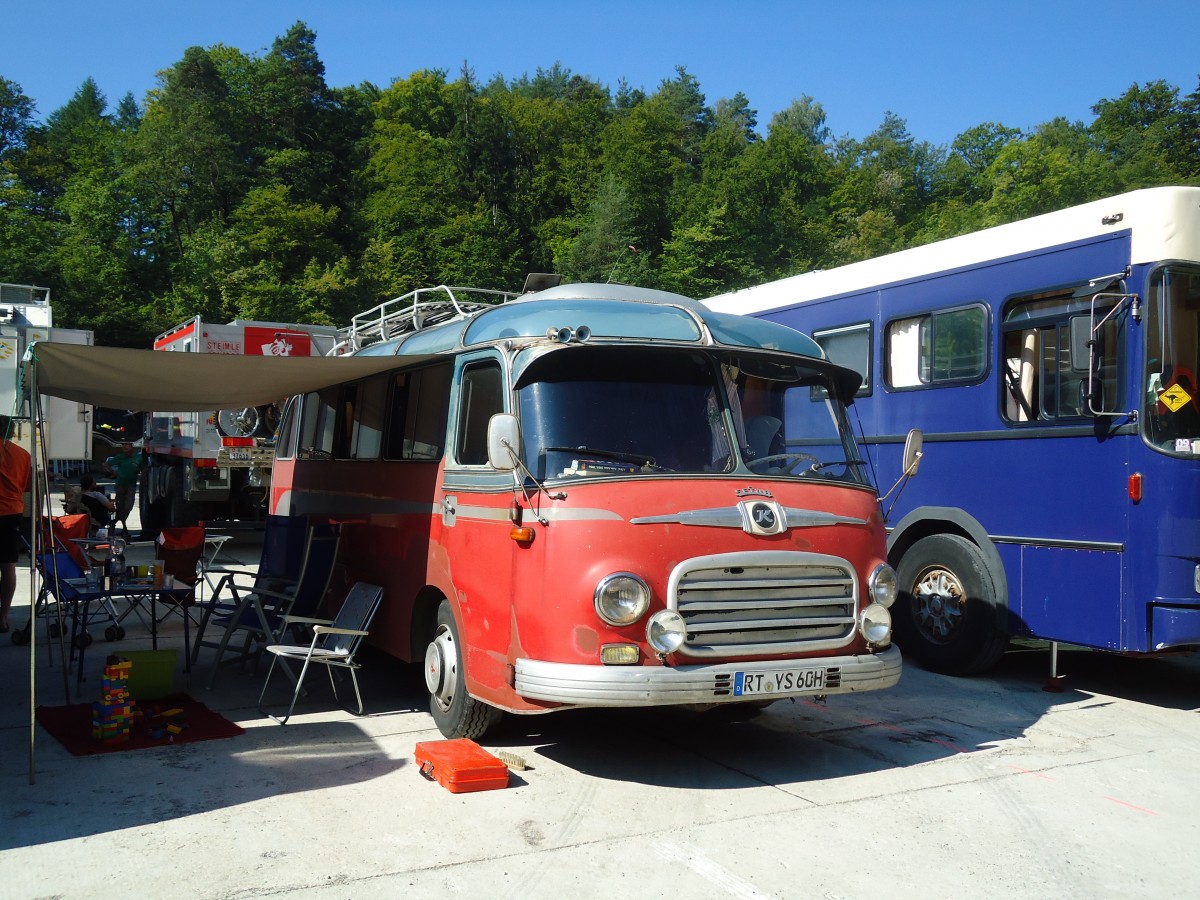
(731, 517)
(720, 517)
(585, 685)
(807, 518)
(1059, 543)
(582, 514)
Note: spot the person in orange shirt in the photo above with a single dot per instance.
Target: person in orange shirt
(16, 475)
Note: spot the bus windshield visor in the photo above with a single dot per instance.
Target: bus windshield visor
(608, 412)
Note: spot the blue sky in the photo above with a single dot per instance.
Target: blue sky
(941, 66)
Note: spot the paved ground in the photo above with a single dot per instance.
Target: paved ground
(939, 788)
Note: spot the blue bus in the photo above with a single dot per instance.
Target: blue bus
(1051, 364)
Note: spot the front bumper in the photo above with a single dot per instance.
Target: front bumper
(579, 685)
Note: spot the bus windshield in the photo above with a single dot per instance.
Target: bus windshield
(1172, 395)
(614, 411)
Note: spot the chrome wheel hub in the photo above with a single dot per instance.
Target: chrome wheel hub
(940, 604)
(441, 668)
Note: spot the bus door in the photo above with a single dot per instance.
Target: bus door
(283, 467)
(1067, 514)
(475, 524)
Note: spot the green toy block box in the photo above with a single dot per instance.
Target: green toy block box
(152, 674)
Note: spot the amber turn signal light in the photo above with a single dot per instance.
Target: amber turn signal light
(1135, 487)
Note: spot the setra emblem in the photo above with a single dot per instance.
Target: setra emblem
(752, 492)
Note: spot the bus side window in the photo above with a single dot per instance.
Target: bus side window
(347, 423)
(318, 422)
(481, 396)
(367, 440)
(285, 436)
(1041, 380)
(1021, 357)
(417, 413)
(943, 347)
(849, 346)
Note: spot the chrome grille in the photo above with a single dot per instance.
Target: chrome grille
(764, 603)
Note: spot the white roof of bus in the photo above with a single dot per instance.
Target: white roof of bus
(1165, 224)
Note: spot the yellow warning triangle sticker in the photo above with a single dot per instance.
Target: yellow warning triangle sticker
(1175, 398)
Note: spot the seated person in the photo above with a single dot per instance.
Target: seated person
(96, 502)
(71, 502)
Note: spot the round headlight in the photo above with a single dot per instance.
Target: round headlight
(621, 598)
(882, 585)
(875, 623)
(665, 631)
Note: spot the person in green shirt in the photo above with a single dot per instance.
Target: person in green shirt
(126, 466)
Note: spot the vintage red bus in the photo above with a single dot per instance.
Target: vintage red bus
(597, 495)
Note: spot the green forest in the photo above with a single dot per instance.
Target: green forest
(245, 186)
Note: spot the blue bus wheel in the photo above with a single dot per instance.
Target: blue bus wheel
(945, 617)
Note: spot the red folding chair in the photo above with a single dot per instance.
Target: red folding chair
(180, 550)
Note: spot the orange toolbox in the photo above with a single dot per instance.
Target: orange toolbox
(461, 765)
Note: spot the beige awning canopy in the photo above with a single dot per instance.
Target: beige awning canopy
(150, 380)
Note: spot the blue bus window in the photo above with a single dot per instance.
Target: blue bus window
(938, 347)
(850, 347)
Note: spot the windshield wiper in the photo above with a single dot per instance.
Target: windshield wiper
(818, 466)
(619, 455)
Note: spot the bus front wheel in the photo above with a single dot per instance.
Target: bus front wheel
(455, 712)
(946, 616)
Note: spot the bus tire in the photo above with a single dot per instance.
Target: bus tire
(946, 616)
(455, 712)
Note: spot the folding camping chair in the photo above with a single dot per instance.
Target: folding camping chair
(281, 556)
(63, 585)
(71, 533)
(334, 645)
(254, 605)
(180, 550)
(67, 536)
(54, 568)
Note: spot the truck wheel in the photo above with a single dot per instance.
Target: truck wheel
(182, 513)
(945, 616)
(152, 510)
(454, 711)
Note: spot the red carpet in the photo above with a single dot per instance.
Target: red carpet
(72, 725)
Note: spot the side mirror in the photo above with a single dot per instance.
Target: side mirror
(503, 442)
(1081, 336)
(913, 451)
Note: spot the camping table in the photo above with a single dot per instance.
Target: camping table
(134, 591)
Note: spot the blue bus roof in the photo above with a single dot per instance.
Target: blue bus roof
(1162, 223)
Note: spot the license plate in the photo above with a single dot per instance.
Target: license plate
(778, 681)
(240, 455)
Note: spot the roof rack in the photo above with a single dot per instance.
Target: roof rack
(414, 311)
